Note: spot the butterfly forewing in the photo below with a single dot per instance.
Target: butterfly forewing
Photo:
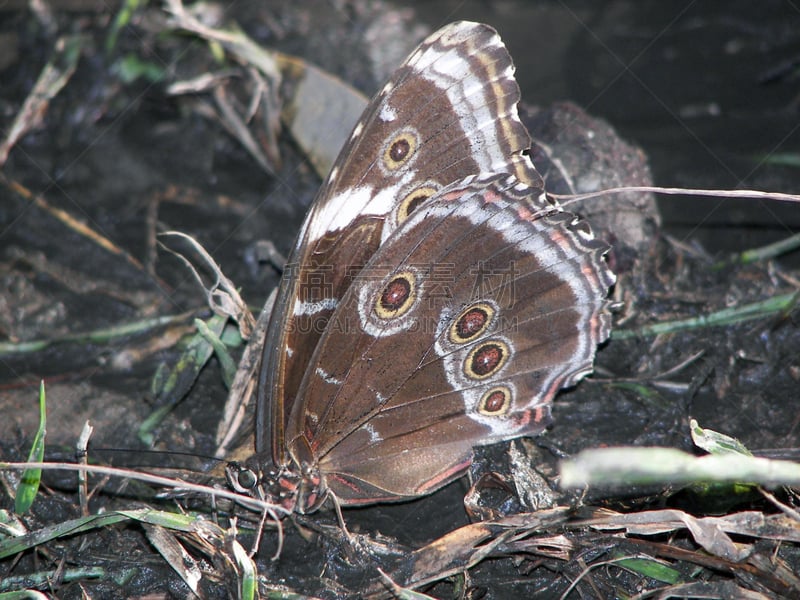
(449, 111)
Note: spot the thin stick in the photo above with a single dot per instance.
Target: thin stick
(675, 191)
(248, 501)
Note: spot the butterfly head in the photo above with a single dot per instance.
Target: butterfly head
(293, 489)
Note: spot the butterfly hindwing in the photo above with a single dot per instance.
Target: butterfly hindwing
(458, 332)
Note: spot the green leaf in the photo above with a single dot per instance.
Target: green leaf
(172, 385)
(248, 574)
(225, 360)
(123, 18)
(714, 442)
(652, 569)
(29, 483)
(131, 67)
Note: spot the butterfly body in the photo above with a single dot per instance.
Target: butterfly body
(435, 300)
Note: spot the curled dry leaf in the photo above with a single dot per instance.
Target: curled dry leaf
(222, 296)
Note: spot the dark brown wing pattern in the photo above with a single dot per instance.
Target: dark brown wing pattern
(449, 111)
(435, 299)
(464, 325)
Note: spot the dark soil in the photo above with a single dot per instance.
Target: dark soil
(709, 92)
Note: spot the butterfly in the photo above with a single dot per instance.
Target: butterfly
(435, 300)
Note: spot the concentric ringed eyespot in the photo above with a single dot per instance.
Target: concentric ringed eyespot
(397, 296)
(486, 359)
(400, 149)
(495, 402)
(413, 200)
(471, 322)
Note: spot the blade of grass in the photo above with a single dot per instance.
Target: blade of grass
(649, 568)
(727, 316)
(29, 482)
(123, 18)
(52, 79)
(248, 575)
(43, 578)
(174, 521)
(644, 466)
(220, 350)
(170, 387)
(778, 248)
(97, 336)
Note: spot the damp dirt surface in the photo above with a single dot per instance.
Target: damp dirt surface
(710, 95)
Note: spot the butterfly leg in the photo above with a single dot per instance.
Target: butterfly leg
(339, 516)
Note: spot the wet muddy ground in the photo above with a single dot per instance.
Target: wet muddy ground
(709, 94)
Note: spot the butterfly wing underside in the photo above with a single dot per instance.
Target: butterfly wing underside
(448, 112)
(463, 326)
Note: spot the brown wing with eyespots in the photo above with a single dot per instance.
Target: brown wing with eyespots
(463, 326)
(449, 111)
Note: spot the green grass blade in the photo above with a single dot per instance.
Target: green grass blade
(29, 483)
(226, 362)
(652, 569)
(720, 318)
(171, 385)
